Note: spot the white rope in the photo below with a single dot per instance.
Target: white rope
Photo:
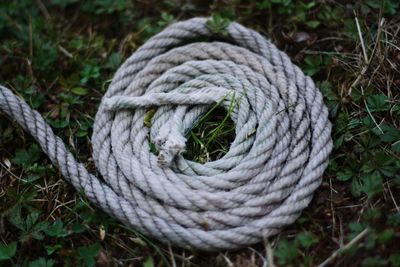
(264, 181)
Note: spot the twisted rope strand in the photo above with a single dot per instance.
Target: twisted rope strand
(260, 185)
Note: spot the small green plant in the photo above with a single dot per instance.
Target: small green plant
(87, 254)
(218, 24)
(42, 262)
(7, 251)
(288, 252)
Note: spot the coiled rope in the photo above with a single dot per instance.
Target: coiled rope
(263, 182)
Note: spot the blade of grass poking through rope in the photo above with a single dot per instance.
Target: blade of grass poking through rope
(207, 141)
(214, 133)
(202, 118)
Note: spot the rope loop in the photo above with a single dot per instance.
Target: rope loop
(268, 176)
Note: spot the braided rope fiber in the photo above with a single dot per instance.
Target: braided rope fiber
(260, 185)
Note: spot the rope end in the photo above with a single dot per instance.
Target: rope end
(169, 148)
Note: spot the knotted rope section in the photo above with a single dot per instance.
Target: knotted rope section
(260, 185)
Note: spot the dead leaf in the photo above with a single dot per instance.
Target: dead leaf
(102, 232)
(299, 37)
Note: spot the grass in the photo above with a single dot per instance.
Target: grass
(60, 56)
(210, 138)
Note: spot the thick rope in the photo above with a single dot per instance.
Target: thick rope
(264, 181)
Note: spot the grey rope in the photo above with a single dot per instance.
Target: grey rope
(260, 185)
